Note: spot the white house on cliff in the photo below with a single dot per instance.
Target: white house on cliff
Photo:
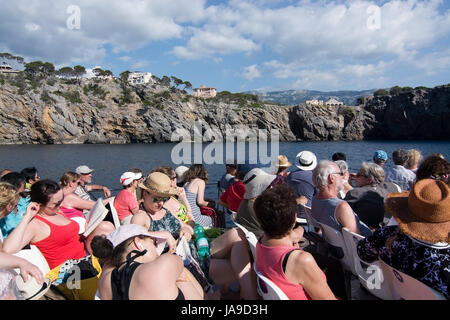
(139, 77)
(204, 92)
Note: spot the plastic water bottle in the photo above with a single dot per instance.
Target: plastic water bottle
(199, 231)
(201, 242)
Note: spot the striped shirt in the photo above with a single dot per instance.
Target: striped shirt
(203, 220)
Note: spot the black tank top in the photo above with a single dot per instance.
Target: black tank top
(121, 279)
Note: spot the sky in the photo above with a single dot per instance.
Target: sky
(241, 45)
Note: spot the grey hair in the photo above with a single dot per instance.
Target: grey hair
(342, 166)
(373, 171)
(414, 157)
(321, 173)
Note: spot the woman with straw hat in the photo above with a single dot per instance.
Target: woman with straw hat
(420, 245)
(282, 165)
(156, 190)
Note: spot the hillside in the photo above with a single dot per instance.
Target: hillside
(44, 109)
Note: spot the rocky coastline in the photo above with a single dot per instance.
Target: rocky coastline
(107, 112)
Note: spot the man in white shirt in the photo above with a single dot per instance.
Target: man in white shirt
(83, 188)
(398, 174)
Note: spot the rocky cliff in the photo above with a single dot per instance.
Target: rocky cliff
(106, 111)
(419, 114)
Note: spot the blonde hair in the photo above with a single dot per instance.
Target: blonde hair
(414, 157)
(8, 195)
(68, 177)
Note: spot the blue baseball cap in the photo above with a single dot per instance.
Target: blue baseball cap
(380, 155)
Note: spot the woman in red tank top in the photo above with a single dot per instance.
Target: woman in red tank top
(46, 228)
(278, 255)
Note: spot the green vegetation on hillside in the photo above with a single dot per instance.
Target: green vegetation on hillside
(45, 97)
(396, 90)
(242, 99)
(70, 96)
(96, 90)
(381, 92)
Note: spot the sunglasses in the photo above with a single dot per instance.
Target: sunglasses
(158, 199)
(57, 204)
(297, 224)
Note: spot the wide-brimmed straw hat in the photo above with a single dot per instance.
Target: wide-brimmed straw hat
(424, 212)
(282, 162)
(158, 184)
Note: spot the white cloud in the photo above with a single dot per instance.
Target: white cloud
(318, 31)
(213, 41)
(139, 64)
(309, 79)
(251, 72)
(433, 61)
(299, 40)
(32, 27)
(125, 25)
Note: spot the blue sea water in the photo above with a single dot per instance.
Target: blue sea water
(110, 161)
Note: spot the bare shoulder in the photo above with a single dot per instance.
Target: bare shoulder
(302, 258)
(162, 268)
(140, 218)
(104, 284)
(344, 208)
(37, 230)
(197, 182)
(297, 265)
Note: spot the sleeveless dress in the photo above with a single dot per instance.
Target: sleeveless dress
(169, 223)
(62, 244)
(204, 221)
(182, 211)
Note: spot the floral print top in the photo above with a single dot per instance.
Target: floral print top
(428, 263)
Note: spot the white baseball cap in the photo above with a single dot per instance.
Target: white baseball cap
(128, 177)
